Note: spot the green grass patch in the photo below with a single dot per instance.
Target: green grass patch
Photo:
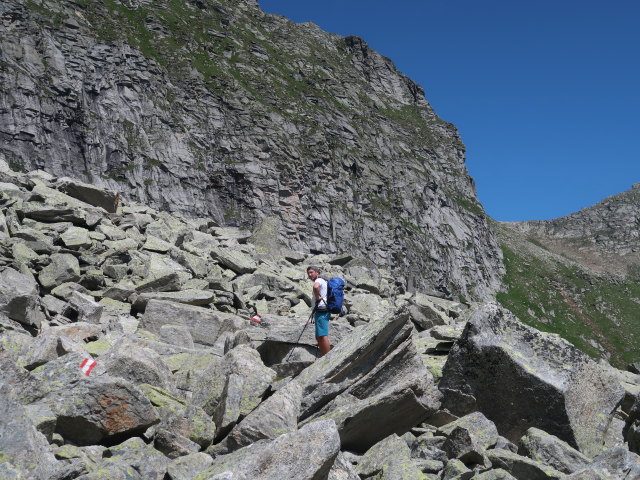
(582, 308)
(469, 205)
(536, 242)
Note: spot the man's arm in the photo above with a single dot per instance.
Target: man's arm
(316, 292)
(318, 296)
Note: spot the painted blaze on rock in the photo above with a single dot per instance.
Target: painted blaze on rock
(521, 378)
(100, 411)
(95, 409)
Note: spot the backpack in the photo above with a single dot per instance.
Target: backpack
(335, 295)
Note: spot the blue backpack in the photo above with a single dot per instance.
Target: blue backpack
(335, 295)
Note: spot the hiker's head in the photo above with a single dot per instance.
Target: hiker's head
(313, 272)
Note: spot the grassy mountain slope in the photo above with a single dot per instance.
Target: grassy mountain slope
(596, 311)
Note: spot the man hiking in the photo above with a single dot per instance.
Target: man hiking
(319, 304)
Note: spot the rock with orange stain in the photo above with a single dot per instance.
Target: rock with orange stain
(95, 409)
(103, 411)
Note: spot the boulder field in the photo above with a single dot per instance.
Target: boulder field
(129, 349)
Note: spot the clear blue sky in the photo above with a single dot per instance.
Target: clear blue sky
(546, 94)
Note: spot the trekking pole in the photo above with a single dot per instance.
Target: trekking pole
(303, 329)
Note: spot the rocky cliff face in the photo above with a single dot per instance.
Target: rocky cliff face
(216, 108)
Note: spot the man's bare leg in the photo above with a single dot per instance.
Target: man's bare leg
(323, 344)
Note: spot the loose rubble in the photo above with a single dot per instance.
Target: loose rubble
(187, 386)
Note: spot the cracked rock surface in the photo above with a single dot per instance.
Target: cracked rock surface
(218, 109)
(187, 386)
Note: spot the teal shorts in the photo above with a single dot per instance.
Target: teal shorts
(322, 323)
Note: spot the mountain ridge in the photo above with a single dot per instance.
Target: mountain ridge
(604, 237)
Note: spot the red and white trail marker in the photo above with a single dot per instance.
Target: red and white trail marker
(87, 365)
(256, 318)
